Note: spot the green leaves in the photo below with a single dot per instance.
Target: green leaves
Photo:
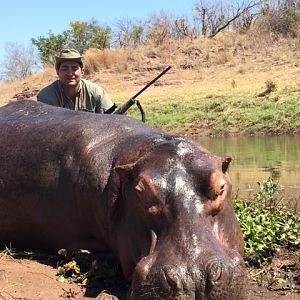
(70, 269)
(49, 46)
(81, 36)
(85, 35)
(85, 268)
(266, 225)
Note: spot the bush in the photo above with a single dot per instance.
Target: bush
(267, 225)
(281, 18)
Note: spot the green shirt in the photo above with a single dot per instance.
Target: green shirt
(90, 97)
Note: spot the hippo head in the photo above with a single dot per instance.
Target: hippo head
(176, 233)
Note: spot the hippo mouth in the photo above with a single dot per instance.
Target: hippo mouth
(181, 283)
(162, 285)
(216, 278)
(215, 281)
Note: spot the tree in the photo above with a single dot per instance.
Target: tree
(49, 46)
(218, 17)
(128, 33)
(281, 17)
(84, 35)
(19, 62)
(183, 29)
(159, 29)
(81, 36)
(137, 35)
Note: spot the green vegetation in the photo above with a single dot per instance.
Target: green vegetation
(226, 111)
(90, 270)
(267, 224)
(81, 36)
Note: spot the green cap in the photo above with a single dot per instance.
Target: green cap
(68, 54)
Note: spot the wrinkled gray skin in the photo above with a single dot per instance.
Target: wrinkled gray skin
(159, 203)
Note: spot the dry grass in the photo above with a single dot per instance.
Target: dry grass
(232, 65)
(29, 85)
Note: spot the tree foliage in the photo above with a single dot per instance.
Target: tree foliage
(281, 17)
(49, 46)
(214, 18)
(209, 19)
(81, 36)
(159, 29)
(84, 35)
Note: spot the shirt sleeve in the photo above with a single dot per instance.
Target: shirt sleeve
(42, 97)
(106, 101)
(48, 95)
(103, 101)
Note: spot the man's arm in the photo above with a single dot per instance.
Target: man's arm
(49, 95)
(103, 101)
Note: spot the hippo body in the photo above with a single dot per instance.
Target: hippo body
(107, 183)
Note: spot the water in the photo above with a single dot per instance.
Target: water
(255, 159)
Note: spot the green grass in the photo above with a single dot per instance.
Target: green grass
(225, 111)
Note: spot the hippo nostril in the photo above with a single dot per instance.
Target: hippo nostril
(218, 272)
(215, 272)
(172, 279)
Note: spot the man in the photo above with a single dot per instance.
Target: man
(71, 91)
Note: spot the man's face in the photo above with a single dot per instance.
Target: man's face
(70, 73)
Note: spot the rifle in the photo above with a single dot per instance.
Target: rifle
(124, 107)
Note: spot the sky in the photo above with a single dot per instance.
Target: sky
(22, 20)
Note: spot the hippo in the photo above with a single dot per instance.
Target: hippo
(111, 184)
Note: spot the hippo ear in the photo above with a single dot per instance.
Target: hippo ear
(124, 170)
(225, 163)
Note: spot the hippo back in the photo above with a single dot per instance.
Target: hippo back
(54, 158)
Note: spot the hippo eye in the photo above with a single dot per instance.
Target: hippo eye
(204, 187)
(153, 210)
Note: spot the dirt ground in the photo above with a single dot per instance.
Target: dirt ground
(33, 276)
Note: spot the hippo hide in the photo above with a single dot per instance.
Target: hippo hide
(107, 183)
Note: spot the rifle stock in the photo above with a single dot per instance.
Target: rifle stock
(124, 107)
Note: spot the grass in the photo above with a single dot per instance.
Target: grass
(255, 90)
(222, 111)
(5, 286)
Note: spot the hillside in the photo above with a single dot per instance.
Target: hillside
(232, 84)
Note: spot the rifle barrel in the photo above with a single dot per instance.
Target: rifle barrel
(123, 108)
(152, 81)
